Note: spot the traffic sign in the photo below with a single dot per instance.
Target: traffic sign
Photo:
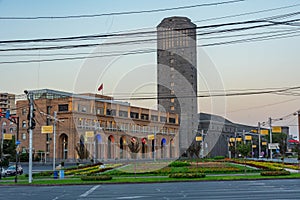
(47, 129)
(274, 146)
(18, 142)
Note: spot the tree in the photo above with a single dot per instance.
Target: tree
(9, 151)
(134, 147)
(244, 149)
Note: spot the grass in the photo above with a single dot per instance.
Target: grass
(154, 179)
(158, 172)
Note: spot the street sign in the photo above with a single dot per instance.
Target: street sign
(264, 143)
(150, 137)
(274, 146)
(198, 138)
(89, 134)
(276, 129)
(47, 129)
(7, 136)
(248, 137)
(264, 132)
(18, 142)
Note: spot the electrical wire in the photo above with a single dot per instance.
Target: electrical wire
(122, 13)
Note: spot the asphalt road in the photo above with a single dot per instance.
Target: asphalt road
(254, 190)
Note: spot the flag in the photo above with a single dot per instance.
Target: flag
(100, 87)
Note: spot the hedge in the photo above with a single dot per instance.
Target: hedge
(179, 164)
(275, 173)
(103, 177)
(186, 175)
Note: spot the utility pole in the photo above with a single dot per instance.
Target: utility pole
(259, 140)
(31, 127)
(270, 122)
(54, 140)
(235, 152)
(298, 112)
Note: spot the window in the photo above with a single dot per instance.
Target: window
(172, 92)
(23, 136)
(134, 115)
(172, 120)
(172, 84)
(163, 119)
(123, 113)
(82, 108)
(154, 118)
(100, 111)
(24, 111)
(145, 116)
(63, 107)
(11, 130)
(172, 100)
(111, 112)
(172, 108)
(24, 124)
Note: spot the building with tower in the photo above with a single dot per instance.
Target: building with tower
(177, 74)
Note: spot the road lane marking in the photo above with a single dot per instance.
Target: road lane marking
(132, 197)
(90, 191)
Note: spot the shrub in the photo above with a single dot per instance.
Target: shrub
(219, 157)
(103, 177)
(187, 175)
(275, 173)
(179, 164)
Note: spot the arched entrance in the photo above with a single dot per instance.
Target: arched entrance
(63, 141)
(163, 147)
(122, 147)
(110, 147)
(172, 153)
(98, 144)
(144, 147)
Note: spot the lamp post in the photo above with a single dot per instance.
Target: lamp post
(270, 123)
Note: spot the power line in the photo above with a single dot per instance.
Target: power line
(277, 36)
(247, 13)
(138, 33)
(121, 13)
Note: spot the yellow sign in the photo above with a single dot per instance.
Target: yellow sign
(239, 139)
(254, 131)
(254, 146)
(89, 134)
(232, 139)
(150, 137)
(264, 132)
(264, 143)
(7, 136)
(276, 129)
(47, 129)
(198, 138)
(248, 137)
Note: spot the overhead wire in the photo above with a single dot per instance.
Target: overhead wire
(122, 13)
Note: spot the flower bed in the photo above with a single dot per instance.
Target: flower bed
(275, 173)
(96, 178)
(187, 175)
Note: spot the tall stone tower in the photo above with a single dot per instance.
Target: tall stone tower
(177, 74)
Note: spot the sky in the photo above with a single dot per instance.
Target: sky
(253, 65)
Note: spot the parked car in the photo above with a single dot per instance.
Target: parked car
(11, 170)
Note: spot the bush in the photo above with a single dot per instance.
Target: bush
(219, 157)
(179, 164)
(103, 177)
(187, 175)
(275, 173)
